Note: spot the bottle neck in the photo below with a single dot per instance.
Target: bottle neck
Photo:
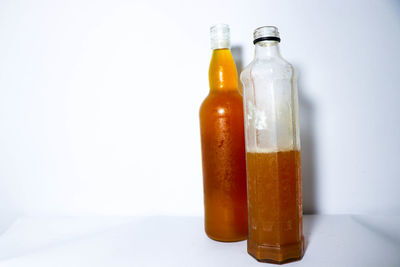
(222, 73)
(267, 49)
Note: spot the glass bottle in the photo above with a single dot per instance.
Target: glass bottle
(272, 153)
(223, 145)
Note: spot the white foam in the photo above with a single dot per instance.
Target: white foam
(271, 150)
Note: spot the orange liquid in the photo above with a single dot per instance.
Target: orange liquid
(275, 206)
(223, 152)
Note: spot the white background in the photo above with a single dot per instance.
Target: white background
(99, 102)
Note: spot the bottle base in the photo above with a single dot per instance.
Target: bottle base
(227, 239)
(276, 254)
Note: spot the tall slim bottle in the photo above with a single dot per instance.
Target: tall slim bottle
(222, 144)
(273, 153)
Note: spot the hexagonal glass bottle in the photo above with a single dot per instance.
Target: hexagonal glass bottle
(271, 121)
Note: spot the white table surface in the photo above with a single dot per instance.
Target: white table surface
(344, 240)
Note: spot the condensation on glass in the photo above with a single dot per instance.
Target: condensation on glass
(272, 137)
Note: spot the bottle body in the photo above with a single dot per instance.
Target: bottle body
(273, 155)
(224, 167)
(223, 150)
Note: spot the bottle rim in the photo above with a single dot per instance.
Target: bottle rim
(266, 33)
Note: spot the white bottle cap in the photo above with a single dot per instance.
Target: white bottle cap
(220, 36)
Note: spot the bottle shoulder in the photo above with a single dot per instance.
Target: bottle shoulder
(222, 103)
(222, 98)
(271, 68)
